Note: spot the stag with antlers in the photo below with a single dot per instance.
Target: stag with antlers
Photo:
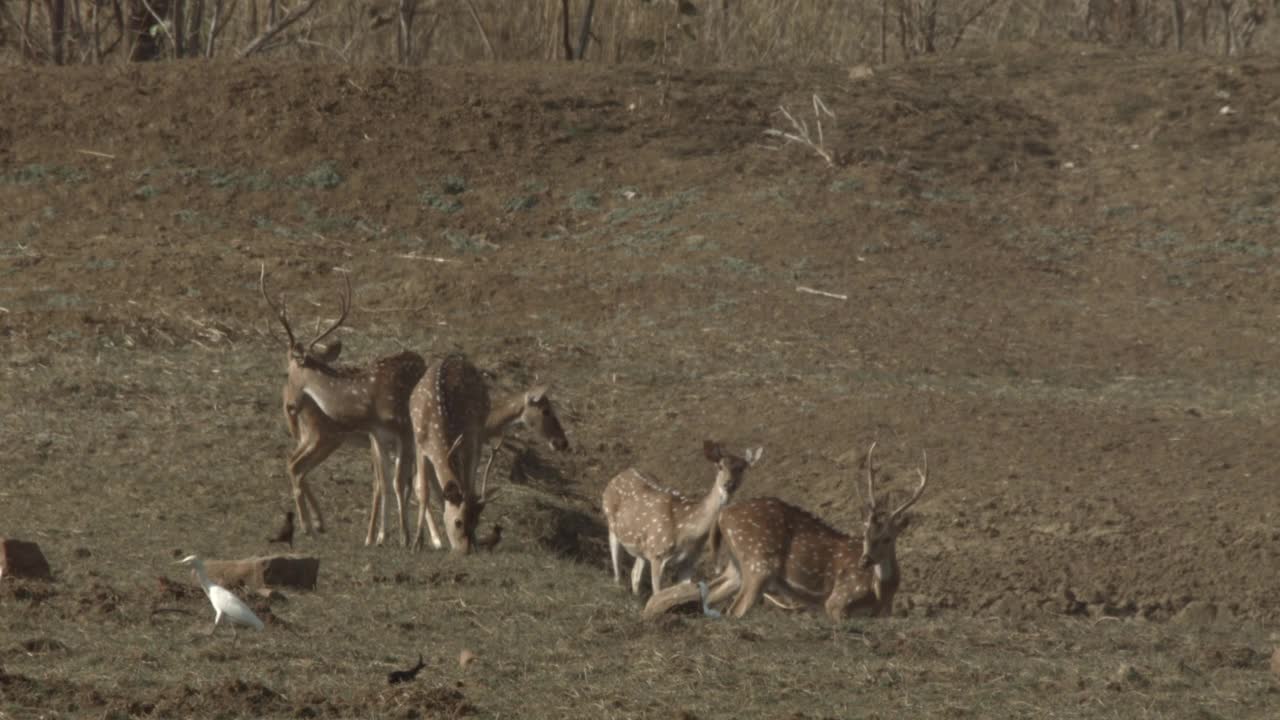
(782, 551)
(327, 405)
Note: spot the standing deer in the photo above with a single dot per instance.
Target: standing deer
(453, 417)
(327, 404)
(661, 527)
(799, 560)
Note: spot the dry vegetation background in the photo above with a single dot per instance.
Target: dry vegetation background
(1055, 235)
(698, 32)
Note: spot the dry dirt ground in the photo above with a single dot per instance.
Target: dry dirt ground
(1058, 270)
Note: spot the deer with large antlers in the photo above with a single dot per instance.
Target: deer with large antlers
(663, 528)
(327, 405)
(453, 418)
(779, 550)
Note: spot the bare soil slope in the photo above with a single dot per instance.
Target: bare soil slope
(1058, 269)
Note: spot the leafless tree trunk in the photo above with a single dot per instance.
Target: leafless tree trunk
(57, 29)
(219, 22)
(1206, 6)
(903, 29)
(404, 37)
(584, 35)
(564, 22)
(179, 22)
(1226, 25)
(195, 20)
(97, 33)
(928, 25)
(884, 32)
(1179, 22)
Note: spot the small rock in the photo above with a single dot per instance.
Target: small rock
(1275, 662)
(465, 659)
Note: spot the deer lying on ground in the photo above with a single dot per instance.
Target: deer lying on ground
(781, 550)
(327, 405)
(453, 418)
(661, 527)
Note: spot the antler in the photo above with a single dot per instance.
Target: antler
(344, 301)
(924, 480)
(484, 479)
(871, 491)
(278, 310)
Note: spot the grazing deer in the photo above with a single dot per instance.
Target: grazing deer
(327, 404)
(661, 527)
(453, 417)
(799, 561)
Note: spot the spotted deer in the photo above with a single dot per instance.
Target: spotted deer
(453, 418)
(661, 527)
(327, 405)
(778, 549)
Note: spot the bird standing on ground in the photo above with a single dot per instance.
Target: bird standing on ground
(399, 676)
(285, 533)
(490, 542)
(224, 602)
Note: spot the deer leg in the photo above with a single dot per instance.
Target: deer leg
(378, 505)
(423, 479)
(637, 572)
(615, 554)
(376, 490)
(312, 450)
(655, 574)
(752, 589)
(724, 586)
(402, 500)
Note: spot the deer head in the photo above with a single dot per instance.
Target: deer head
(881, 529)
(307, 355)
(539, 416)
(462, 514)
(729, 468)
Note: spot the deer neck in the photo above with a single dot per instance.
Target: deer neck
(886, 574)
(699, 516)
(503, 415)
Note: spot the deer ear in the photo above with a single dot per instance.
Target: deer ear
(711, 449)
(330, 354)
(452, 494)
(753, 455)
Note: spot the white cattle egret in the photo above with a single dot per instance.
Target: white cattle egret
(706, 610)
(224, 602)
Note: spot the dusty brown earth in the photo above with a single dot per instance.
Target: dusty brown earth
(1057, 271)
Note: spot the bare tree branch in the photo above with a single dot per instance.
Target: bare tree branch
(475, 17)
(973, 17)
(272, 30)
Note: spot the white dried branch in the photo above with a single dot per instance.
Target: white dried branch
(801, 134)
